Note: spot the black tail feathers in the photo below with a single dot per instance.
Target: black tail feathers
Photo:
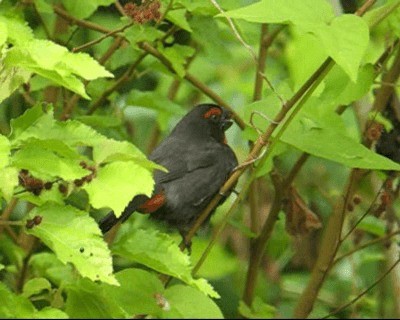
(110, 220)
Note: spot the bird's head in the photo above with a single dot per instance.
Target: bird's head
(205, 121)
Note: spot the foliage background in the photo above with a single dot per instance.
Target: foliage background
(88, 88)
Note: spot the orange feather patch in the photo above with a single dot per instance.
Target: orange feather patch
(153, 204)
(213, 111)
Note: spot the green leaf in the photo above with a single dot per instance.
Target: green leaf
(75, 238)
(258, 310)
(178, 17)
(306, 14)
(316, 17)
(112, 150)
(188, 303)
(11, 78)
(340, 90)
(117, 183)
(4, 151)
(35, 286)
(226, 263)
(15, 306)
(177, 55)
(138, 33)
(373, 225)
(376, 15)
(84, 9)
(60, 65)
(17, 31)
(326, 141)
(3, 32)
(29, 118)
(47, 265)
(45, 163)
(165, 108)
(321, 132)
(51, 313)
(159, 252)
(346, 48)
(100, 121)
(89, 300)
(8, 182)
(84, 66)
(137, 293)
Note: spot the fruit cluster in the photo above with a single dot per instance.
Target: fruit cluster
(148, 10)
(89, 177)
(31, 183)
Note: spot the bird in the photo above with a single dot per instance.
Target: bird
(198, 162)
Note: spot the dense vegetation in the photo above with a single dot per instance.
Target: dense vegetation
(88, 89)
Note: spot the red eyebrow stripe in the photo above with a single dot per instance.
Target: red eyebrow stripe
(213, 111)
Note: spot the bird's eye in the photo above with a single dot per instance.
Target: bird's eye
(214, 117)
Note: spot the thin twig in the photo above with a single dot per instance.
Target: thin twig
(365, 245)
(98, 40)
(359, 296)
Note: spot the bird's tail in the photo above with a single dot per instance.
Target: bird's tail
(110, 220)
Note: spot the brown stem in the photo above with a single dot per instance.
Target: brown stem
(82, 23)
(259, 245)
(117, 84)
(194, 81)
(365, 245)
(359, 296)
(96, 41)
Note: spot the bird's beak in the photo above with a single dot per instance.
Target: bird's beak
(226, 121)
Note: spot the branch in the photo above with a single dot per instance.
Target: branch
(108, 34)
(365, 245)
(194, 81)
(359, 296)
(82, 23)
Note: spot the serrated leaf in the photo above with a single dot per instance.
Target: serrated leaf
(159, 252)
(113, 150)
(188, 303)
(16, 306)
(29, 118)
(4, 151)
(35, 286)
(8, 182)
(45, 163)
(178, 17)
(259, 310)
(84, 9)
(18, 31)
(74, 237)
(138, 33)
(137, 293)
(11, 79)
(85, 66)
(117, 183)
(3, 32)
(60, 65)
(177, 55)
(316, 17)
(304, 13)
(89, 300)
(152, 100)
